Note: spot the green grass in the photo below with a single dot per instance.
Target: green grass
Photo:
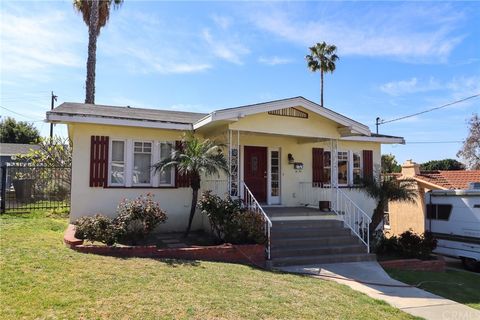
(42, 279)
(460, 286)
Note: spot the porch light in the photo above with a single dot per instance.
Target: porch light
(291, 160)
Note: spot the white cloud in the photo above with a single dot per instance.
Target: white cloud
(459, 87)
(231, 51)
(411, 32)
(222, 21)
(273, 61)
(413, 85)
(31, 44)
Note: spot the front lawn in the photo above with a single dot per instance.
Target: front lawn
(460, 286)
(41, 278)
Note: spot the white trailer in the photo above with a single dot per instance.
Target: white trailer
(453, 217)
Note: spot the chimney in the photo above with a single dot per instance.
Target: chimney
(410, 169)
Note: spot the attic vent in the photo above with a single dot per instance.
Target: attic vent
(289, 112)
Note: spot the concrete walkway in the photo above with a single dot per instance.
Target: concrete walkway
(376, 283)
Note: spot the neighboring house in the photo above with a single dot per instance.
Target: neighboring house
(8, 151)
(290, 152)
(403, 216)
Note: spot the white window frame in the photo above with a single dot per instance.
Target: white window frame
(360, 156)
(348, 168)
(110, 150)
(132, 151)
(172, 171)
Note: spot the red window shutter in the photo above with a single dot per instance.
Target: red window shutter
(317, 166)
(98, 161)
(181, 180)
(367, 164)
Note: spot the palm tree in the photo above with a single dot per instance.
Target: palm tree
(95, 14)
(195, 158)
(388, 189)
(322, 57)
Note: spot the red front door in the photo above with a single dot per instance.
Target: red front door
(255, 171)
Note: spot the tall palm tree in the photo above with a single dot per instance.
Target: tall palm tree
(388, 189)
(95, 14)
(195, 158)
(322, 58)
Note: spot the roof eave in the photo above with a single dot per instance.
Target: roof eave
(55, 117)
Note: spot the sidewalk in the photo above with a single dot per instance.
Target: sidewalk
(376, 283)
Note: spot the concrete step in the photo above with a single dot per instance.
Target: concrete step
(318, 250)
(303, 232)
(321, 259)
(310, 242)
(307, 224)
(306, 213)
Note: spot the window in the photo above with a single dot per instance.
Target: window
(326, 167)
(117, 163)
(142, 161)
(166, 176)
(439, 211)
(357, 168)
(342, 168)
(275, 171)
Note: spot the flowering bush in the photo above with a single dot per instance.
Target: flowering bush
(135, 219)
(230, 222)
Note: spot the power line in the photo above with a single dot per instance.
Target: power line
(433, 142)
(379, 121)
(22, 115)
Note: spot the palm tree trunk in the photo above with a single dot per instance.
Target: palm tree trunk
(377, 216)
(321, 88)
(192, 210)
(92, 54)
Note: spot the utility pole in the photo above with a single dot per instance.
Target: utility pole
(377, 123)
(54, 98)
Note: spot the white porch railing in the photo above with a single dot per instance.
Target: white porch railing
(353, 217)
(252, 204)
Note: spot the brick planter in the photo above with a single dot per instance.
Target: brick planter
(251, 254)
(437, 265)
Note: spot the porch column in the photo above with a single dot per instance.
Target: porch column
(234, 163)
(333, 172)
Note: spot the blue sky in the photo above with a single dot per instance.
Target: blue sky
(395, 59)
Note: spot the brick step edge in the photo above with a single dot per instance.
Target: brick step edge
(437, 265)
(250, 254)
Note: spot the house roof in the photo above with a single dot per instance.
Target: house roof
(10, 149)
(117, 112)
(154, 118)
(449, 179)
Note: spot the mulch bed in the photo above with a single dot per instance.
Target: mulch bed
(250, 254)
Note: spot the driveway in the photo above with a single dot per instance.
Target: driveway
(370, 278)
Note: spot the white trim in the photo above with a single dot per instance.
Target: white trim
(386, 140)
(66, 118)
(274, 200)
(240, 112)
(172, 171)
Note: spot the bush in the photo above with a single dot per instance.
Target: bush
(407, 245)
(96, 228)
(230, 222)
(136, 218)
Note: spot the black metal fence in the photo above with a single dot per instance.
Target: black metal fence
(26, 187)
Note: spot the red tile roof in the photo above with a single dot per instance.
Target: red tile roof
(451, 179)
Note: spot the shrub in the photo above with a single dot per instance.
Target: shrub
(136, 218)
(407, 245)
(230, 222)
(96, 228)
